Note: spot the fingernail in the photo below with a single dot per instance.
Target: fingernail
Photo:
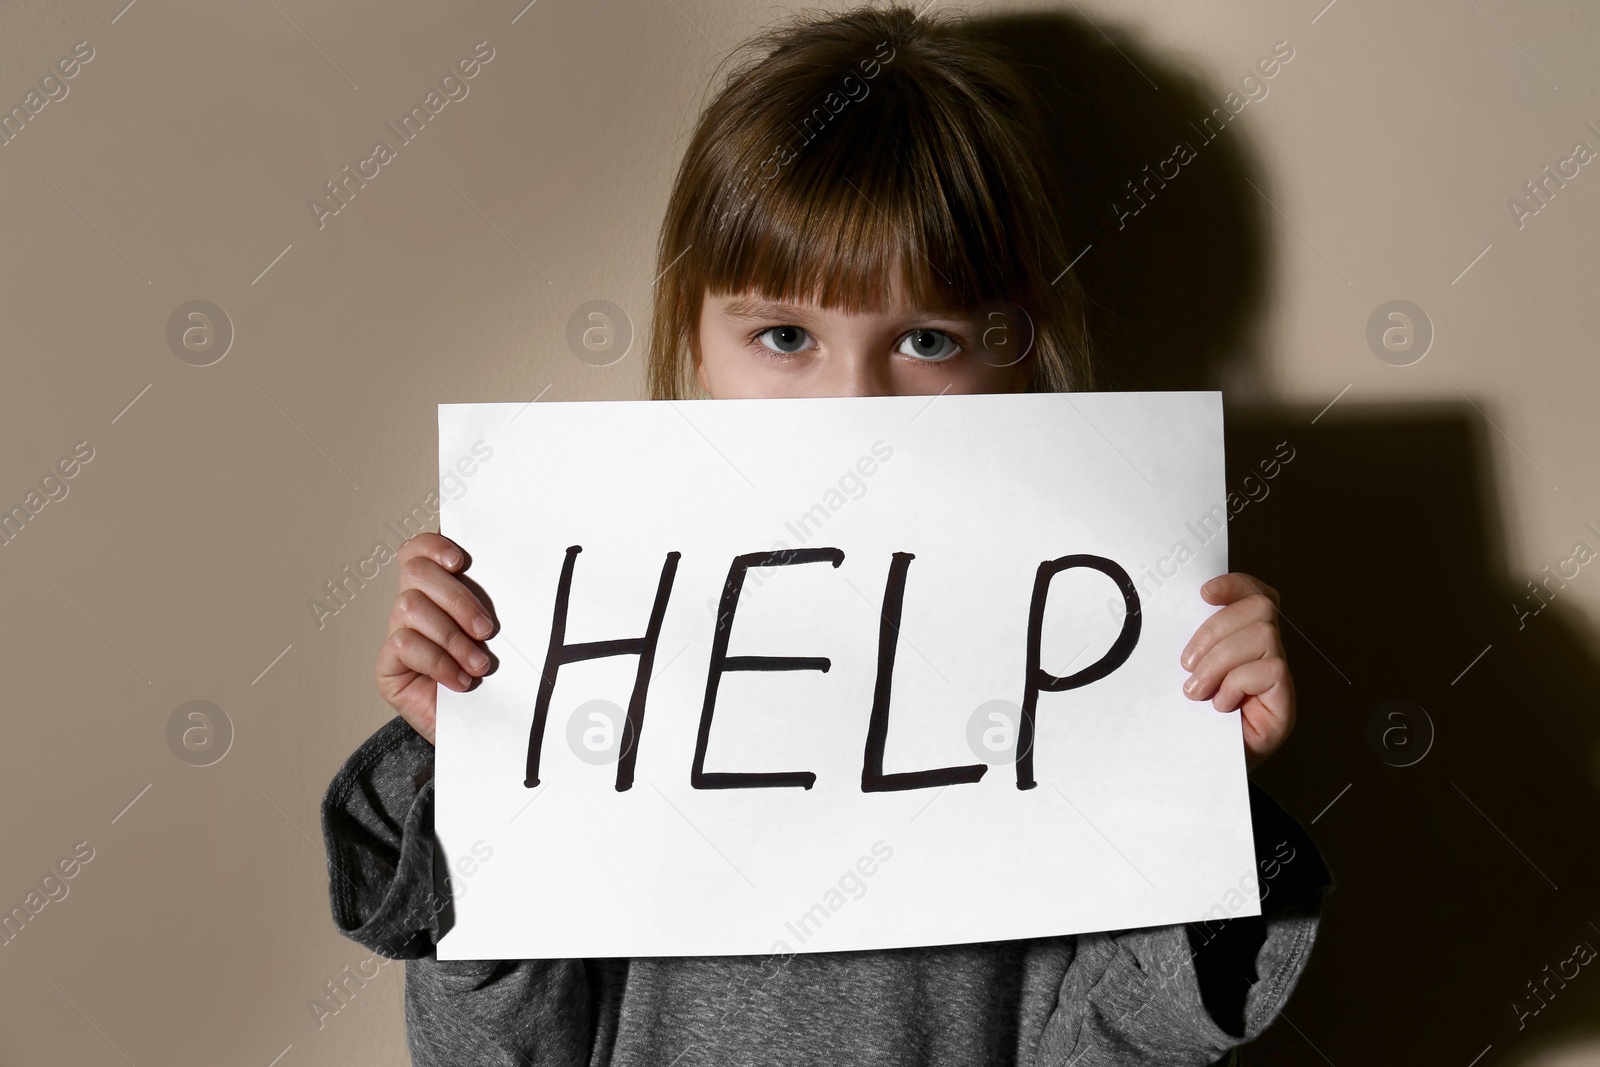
(478, 661)
(463, 679)
(481, 625)
(1188, 659)
(1191, 685)
(453, 558)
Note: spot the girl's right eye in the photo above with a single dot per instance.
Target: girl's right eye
(786, 340)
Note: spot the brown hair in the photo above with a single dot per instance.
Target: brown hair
(841, 147)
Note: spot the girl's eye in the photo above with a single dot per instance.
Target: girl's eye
(929, 345)
(786, 340)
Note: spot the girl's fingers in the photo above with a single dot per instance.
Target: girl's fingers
(1267, 680)
(407, 652)
(425, 647)
(416, 612)
(424, 574)
(437, 547)
(1253, 608)
(1238, 662)
(1256, 640)
(1236, 585)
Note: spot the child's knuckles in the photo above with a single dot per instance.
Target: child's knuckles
(445, 666)
(415, 650)
(383, 672)
(415, 569)
(468, 653)
(464, 606)
(412, 603)
(1262, 606)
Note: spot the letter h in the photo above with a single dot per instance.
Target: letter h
(560, 652)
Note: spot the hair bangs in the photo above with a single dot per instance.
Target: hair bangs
(895, 189)
(850, 152)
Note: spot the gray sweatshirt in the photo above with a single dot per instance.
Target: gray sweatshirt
(1170, 995)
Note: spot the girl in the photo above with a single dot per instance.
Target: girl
(858, 213)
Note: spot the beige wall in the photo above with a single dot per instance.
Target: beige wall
(181, 562)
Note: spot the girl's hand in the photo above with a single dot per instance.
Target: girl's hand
(428, 643)
(1236, 660)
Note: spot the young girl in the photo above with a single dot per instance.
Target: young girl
(859, 213)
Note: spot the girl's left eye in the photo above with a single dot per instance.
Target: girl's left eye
(931, 346)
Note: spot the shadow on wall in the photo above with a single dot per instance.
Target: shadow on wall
(1461, 836)
(1155, 186)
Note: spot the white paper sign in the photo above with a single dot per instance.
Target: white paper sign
(912, 591)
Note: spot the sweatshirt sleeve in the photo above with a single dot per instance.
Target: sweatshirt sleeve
(1190, 993)
(377, 824)
(377, 821)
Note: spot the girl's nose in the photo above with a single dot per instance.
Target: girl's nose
(860, 374)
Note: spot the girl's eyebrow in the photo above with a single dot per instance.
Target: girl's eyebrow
(761, 309)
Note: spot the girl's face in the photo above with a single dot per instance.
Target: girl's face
(750, 349)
